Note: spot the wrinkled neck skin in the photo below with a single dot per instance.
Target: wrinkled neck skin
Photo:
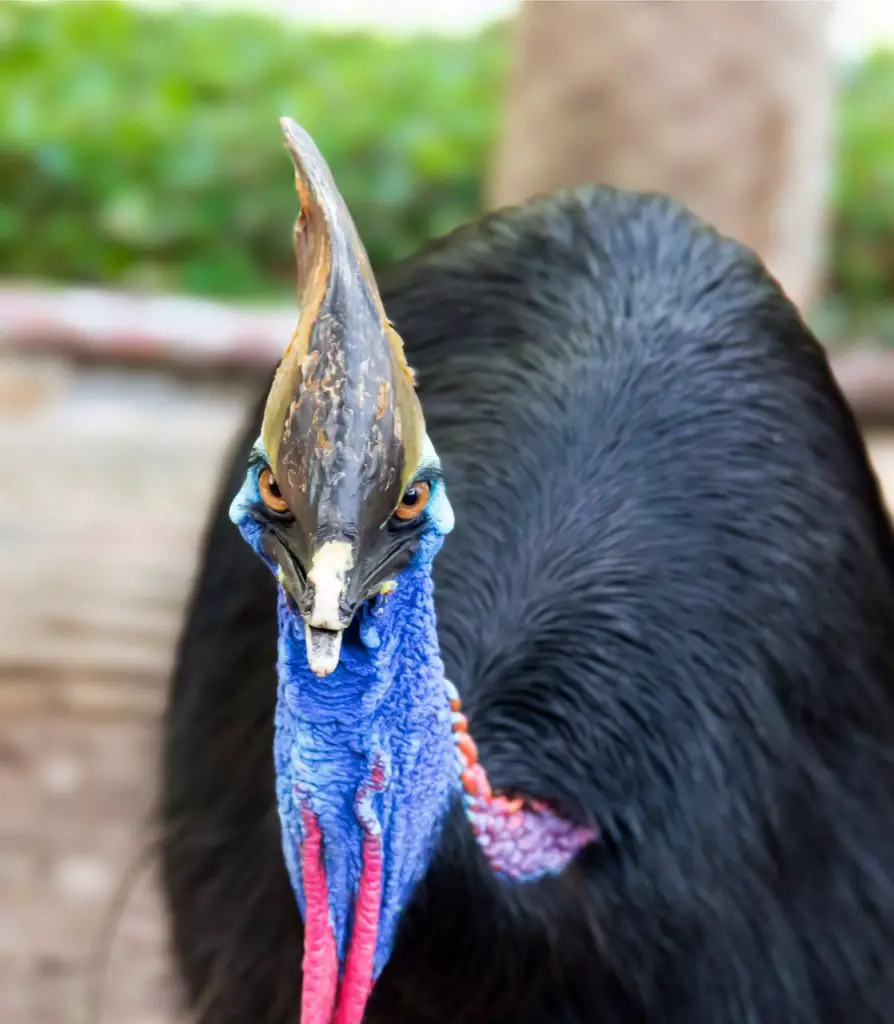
(365, 767)
(368, 761)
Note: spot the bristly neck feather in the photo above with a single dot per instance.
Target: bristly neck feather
(369, 751)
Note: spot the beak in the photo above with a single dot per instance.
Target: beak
(323, 649)
(323, 603)
(343, 428)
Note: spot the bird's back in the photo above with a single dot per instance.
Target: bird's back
(668, 602)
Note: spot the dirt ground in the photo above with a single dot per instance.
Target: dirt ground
(106, 481)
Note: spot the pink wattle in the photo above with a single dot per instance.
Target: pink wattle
(358, 977)
(320, 963)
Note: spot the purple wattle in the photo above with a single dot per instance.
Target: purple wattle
(528, 843)
(522, 838)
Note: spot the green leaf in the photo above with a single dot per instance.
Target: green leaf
(140, 145)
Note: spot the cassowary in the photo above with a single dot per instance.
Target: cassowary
(665, 614)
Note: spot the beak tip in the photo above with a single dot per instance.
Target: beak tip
(322, 671)
(323, 650)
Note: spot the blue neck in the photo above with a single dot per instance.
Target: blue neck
(384, 709)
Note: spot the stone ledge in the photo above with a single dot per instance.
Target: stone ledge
(132, 327)
(201, 334)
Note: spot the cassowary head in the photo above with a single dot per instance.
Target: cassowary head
(348, 472)
(344, 501)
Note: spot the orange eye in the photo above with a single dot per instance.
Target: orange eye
(270, 492)
(413, 503)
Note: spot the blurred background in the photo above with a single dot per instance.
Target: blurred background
(146, 277)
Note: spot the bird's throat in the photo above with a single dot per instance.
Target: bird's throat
(368, 762)
(365, 776)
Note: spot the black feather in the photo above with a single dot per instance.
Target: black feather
(669, 605)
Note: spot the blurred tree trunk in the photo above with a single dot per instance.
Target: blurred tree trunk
(722, 105)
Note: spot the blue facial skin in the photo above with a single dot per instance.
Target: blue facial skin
(385, 704)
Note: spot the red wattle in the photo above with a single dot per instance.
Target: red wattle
(320, 964)
(358, 977)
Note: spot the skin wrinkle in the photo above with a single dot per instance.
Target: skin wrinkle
(389, 697)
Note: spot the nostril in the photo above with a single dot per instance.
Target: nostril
(307, 600)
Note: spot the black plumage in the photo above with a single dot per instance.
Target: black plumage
(669, 605)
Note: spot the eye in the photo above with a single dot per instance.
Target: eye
(413, 503)
(270, 492)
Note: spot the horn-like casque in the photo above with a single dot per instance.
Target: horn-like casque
(343, 393)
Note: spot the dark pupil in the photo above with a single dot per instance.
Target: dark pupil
(274, 486)
(411, 496)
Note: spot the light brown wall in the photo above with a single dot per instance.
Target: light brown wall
(724, 105)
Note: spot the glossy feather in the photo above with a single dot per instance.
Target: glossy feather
(668, 604)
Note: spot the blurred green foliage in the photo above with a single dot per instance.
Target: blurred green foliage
(861, 265)
(141, 147)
